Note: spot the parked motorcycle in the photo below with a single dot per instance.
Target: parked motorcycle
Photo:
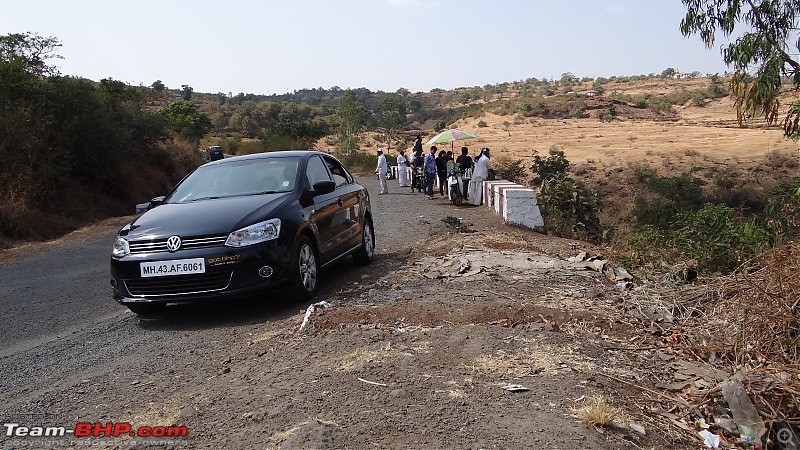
(454, 181)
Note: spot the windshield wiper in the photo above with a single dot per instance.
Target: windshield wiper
(204, 198)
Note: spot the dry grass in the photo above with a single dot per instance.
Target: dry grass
(535, 358)
(597, 413)
(750, 323)
(363, 357)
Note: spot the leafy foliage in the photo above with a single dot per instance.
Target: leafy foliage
(570, 208)
(760, 57)
(29, 52)
(675, 221)
(546, 168)
(71, 147)
(511, 170)
(717, 238)
(185, 118)
(351, 116)
(390, 117)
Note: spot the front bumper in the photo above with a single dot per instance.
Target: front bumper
(229, 272)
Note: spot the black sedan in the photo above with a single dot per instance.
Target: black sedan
(240, 226)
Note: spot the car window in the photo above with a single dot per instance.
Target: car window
(246, 177)
(316, 171)
(340, 175)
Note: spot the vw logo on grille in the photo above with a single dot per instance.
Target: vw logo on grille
(173, 243)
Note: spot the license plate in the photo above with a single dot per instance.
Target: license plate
(173, 267)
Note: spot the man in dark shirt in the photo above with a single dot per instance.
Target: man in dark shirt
(441, 171)
(464, 162)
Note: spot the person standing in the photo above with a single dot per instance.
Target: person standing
(402, 168)
(417, 146)
(441, 170)
(482, 167)
(430, 171)
(381, 170)
(417, 170)
(464, 162)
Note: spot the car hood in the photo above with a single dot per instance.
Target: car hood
(205, 217)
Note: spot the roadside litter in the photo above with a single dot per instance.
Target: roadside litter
(310, 310)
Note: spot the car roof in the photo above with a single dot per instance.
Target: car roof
(279, 154)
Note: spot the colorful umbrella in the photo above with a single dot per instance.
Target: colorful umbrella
(450, 136)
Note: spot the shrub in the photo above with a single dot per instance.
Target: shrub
(357, 162)
(570, 208)
(482, 124)
(717, 239)
(783, 210)
(684, 189)
(511, 170)
(546, 168)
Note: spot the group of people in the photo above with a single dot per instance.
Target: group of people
(438, 166)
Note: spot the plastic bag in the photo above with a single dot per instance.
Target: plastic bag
(744, 413)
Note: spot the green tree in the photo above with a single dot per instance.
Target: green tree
(30, 52)
(760, 57)
(507, 127)
(351, 117)
(488, 92)
(390, 117)
(158, 86)
(567, 78)
(546, 168)
(186, 92)
(186, 119)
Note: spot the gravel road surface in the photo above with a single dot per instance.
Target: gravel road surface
(402, 359)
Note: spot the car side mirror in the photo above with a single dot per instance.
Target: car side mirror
(322, 187)
(144, 207)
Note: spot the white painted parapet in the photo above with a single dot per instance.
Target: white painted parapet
(515, 203)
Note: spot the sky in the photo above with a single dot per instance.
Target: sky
(279, 46)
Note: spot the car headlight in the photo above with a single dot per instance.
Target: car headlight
(259, 232)
(121, 247)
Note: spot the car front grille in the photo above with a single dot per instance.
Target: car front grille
(160, 245)
(179, 284)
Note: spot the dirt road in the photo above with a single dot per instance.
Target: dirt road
(461, 334)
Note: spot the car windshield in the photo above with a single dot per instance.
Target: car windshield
(237, 178)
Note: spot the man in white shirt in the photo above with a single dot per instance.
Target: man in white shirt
(402, 168)
(381, 170)
(482, 167)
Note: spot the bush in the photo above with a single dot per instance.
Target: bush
(357, 162)
(511, 170)
(783, 210)
(717, 239)
(570, 209)
(546, 168)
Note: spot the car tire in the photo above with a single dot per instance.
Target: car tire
(146, 309)
(306, 269)
(363, 255)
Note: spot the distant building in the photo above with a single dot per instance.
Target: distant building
(678, 75)
(592, 94)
